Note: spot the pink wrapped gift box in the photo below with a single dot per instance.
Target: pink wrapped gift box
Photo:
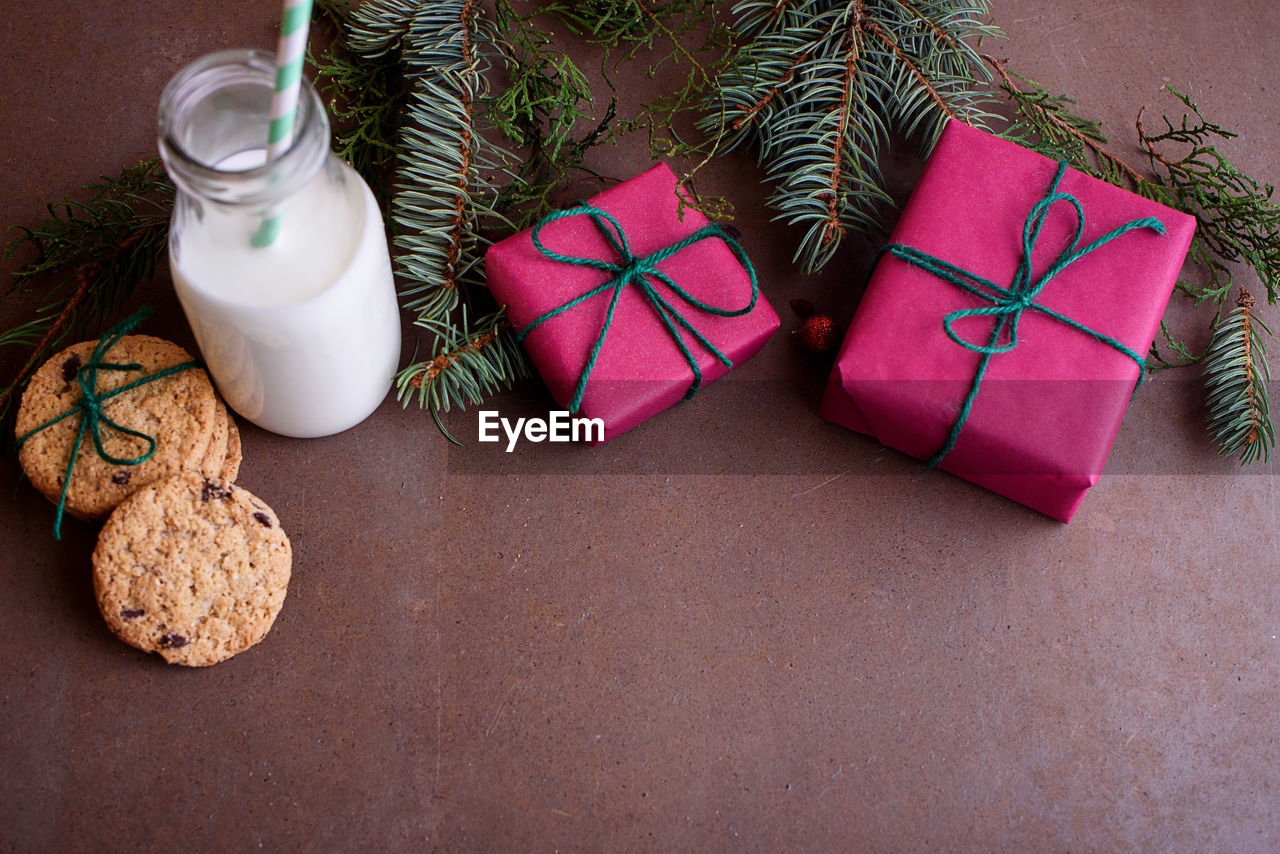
(640, 370)
(1046, 410)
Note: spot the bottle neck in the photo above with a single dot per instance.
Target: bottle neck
(214, 115)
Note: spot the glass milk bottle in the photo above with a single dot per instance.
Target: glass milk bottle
(301, 335)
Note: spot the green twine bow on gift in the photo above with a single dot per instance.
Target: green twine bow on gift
(90, 407)
(630, 270)
(1007, 305)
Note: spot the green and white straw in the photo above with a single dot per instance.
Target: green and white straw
(290, 50)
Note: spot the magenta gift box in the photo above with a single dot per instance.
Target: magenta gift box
(640, 370)
(1046, 412)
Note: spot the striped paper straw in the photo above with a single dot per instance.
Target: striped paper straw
(284, 100)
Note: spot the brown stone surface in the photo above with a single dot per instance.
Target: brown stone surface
(736, 628)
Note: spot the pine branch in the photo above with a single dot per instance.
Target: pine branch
(377, 29)
(366, 98)
(822, 85)
(444, 190)
(448, 189)
(89, 258)
(749, 116)
(1236, 374)
(876, 30)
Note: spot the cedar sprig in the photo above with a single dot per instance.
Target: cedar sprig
(544, 100)
(468, 363)
(676, 30)
(1236, 221)
(820, 87)
(89, 257)
(686, 43)
(631, 25)
(1048, 124)
(1235, 218)
(1236, 376)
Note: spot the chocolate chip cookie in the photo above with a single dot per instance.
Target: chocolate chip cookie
(177, 411)
(193, 568)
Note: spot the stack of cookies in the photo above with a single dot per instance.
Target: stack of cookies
(188, 564)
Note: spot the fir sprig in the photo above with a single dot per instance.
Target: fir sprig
(820, 87)
(366, 99)
(468, 364)
(1236, 377)
(444, 182)
(89, 257)
(449, 178)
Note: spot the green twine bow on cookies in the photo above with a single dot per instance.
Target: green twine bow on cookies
(90, 406)
(630, 270)
(1007, 305)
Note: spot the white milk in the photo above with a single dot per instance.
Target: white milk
(302, 337)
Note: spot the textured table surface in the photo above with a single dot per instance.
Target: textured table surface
(736, 628)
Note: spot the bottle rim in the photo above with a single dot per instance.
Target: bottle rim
(262, 184)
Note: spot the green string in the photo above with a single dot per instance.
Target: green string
(1009, 304)
(630, 270)
(89, 407)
